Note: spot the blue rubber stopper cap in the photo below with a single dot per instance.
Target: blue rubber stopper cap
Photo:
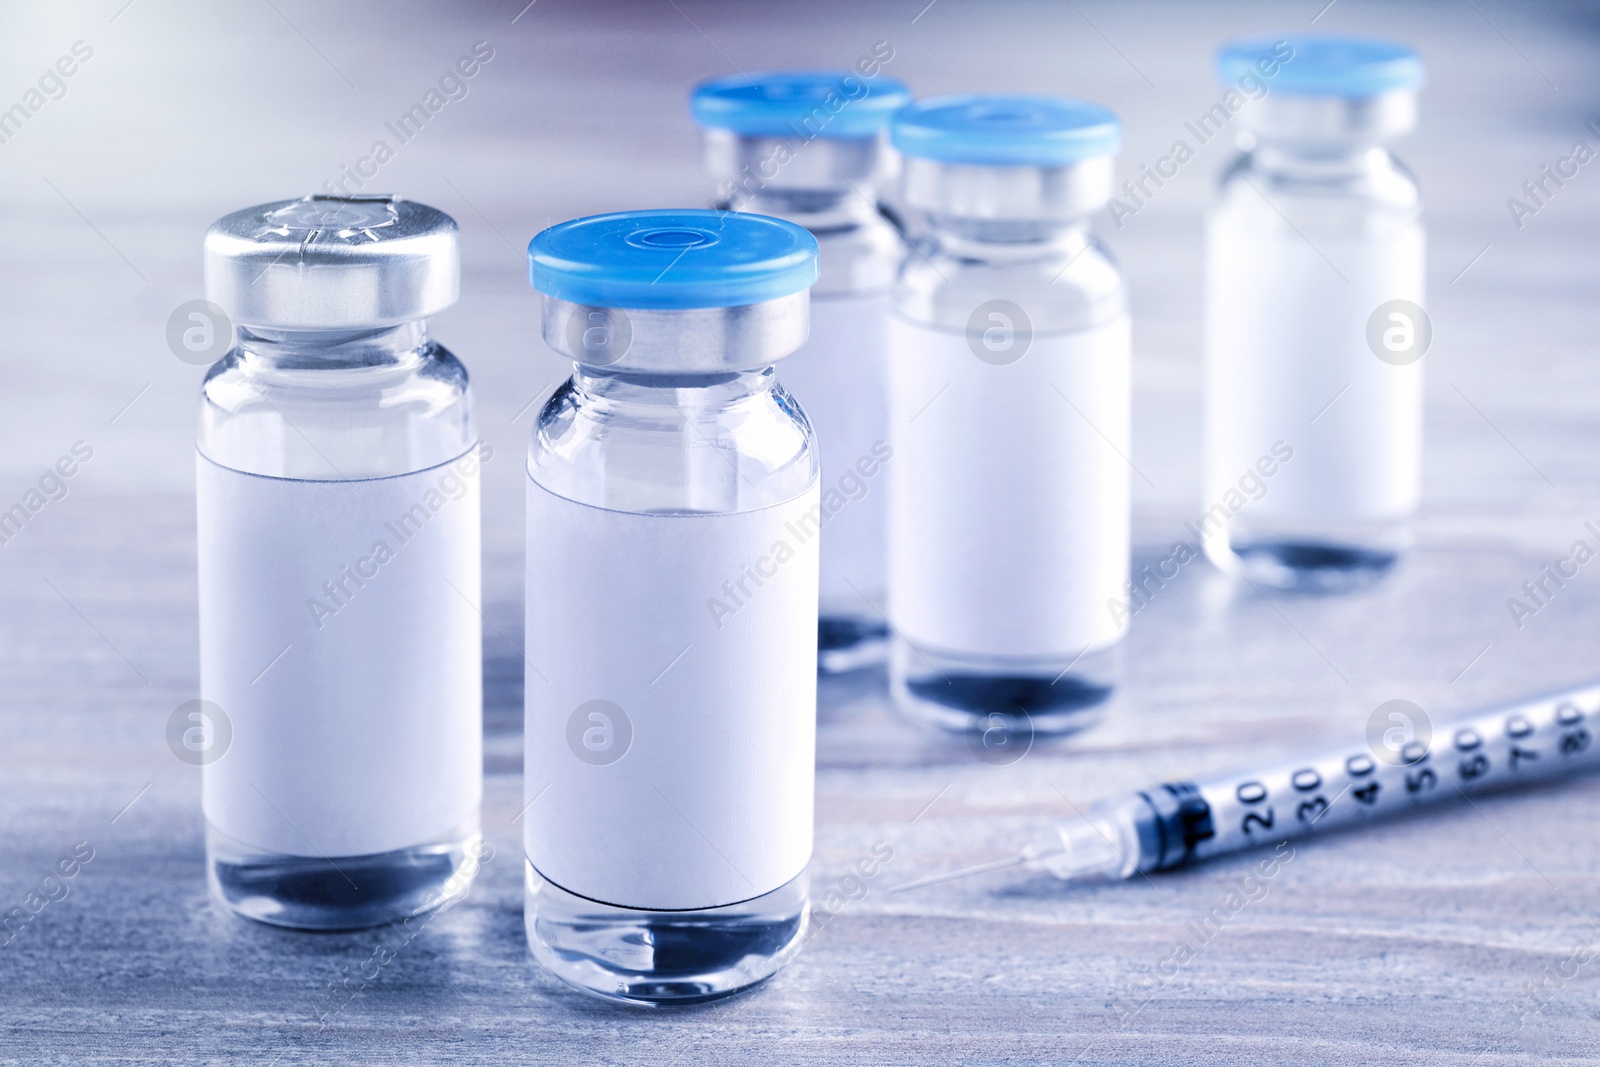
(999, 129)
(672, 259)
(799, 103)
(1316, 65)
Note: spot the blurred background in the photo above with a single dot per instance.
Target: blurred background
(179, 112)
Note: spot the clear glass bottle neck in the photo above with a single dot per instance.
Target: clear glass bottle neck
(813, 207)
(335, 405)
(1330, 158)
(1009, 238)
(388, 346)
(724, 442)
(674, 394)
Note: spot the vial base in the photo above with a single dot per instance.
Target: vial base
(850, 642)
(657, 958)
(1330, 561)
(339, 892)
(970, 693)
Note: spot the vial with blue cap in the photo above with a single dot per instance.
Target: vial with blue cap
(673, 524)
(811, 147)
(337, 484)
(1315, 328)
(1009, 386)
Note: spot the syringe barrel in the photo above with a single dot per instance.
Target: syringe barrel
(1407, 765)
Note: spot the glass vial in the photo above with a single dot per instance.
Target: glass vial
(337, 485)
(1009, 391)
(672, 534)
(809, 147)
(1314, 324)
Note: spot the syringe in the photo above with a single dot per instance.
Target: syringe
(1183, 822)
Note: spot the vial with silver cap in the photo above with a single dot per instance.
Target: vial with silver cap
(337, 486)
(672, 531)
(810, 147)
(1314, 324)
(1009, 389)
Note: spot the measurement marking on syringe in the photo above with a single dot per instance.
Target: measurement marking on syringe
(1176, 823)
(1331, 803)
(1470, 754)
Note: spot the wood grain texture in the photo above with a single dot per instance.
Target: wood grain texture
(1455, 938)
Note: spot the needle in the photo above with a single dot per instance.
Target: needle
(979, 869)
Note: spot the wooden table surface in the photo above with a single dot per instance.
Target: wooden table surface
(1467, 936)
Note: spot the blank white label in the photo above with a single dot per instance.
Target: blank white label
(340, 635)
(1287, 359)
(1009, 502)
(671, 700)
(839, 377)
